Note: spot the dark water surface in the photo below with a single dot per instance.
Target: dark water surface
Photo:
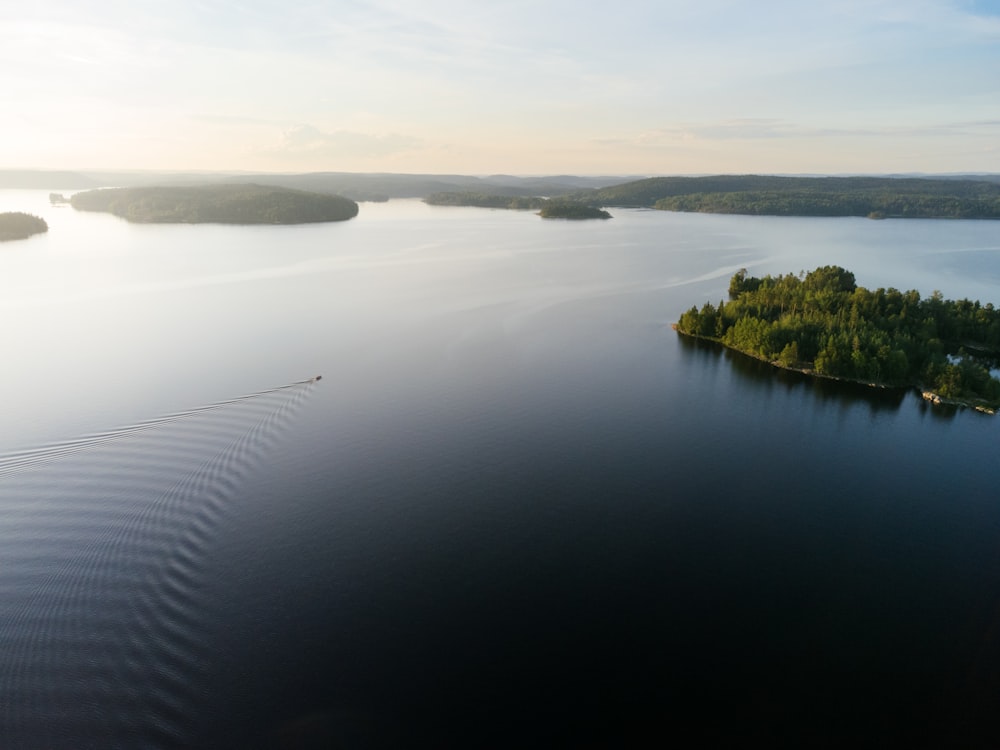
(517, 510)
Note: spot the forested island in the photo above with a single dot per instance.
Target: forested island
(217, 204)
(567, 210)
(15, 225)
(873, 197)
(824, 324)
(549, 208)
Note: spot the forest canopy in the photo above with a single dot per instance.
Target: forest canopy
(875, 197)
(823, 323)
(902, 205)
(16, 225)
(217, 204)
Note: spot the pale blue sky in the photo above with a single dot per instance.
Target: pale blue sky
(475, 87)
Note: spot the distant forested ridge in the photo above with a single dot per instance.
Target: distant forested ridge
(484, 200)
(217, 204)
(875, 197)
(822, 323)
(16, 225)
(946, 196)
(357, 186)
(550, 208)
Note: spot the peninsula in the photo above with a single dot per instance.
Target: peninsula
(217, 204)
(824, 324)
(15, 225)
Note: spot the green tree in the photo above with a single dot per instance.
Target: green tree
(789, 356)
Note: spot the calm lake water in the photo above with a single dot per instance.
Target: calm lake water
(516, 510)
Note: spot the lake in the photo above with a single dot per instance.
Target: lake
(517, 509)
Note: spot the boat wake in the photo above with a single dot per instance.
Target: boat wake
(105, 552)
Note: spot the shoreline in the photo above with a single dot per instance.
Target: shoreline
(928, 395)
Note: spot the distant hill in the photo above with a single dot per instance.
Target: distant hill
(380, 186)
(878, 197)
(551, 208)
(484, 200)
(354, 185)
(217, 204)
(923, 196)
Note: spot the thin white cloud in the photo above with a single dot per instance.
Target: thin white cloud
(766, 128)
(448, 84)
(306, 141)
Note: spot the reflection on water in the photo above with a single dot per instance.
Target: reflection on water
(758, 376)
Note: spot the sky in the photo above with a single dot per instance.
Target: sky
(634, 87)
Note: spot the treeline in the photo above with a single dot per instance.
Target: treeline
(16, 225)
(877, 197)
(217, 204)
(485, 200)
(357, 186)
(818, 203)
(822, 322)
(555, 208)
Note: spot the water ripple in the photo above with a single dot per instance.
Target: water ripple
(104, 551)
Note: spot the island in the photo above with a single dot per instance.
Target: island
(823, 324)
(217, 204)
(16, 225)
(570, 210)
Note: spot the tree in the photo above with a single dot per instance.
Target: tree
(789, 356)
(823, 321)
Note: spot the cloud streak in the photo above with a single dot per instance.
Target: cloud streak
(307, 142)
(765, 128)
(443, 85)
